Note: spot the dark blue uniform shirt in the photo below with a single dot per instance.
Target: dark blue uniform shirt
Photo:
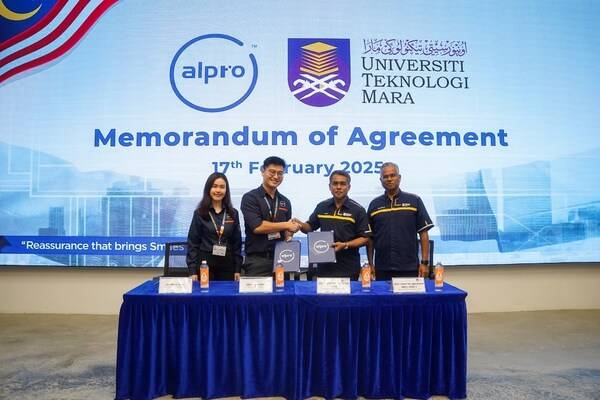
(394, 225)
(348, 222)
(258, 206)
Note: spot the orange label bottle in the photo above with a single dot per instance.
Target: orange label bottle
(439, 276)
(204, 276)
(365, 277)
(279, 276)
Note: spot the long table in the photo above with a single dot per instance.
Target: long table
(293, 343)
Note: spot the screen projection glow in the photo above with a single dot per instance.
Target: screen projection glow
(489, 108)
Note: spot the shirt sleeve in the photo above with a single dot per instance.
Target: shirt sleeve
(370, 218)
(313, 221)
(193, 244)
(251, 211)
(362, 223)
(236, 243)
(424, 223)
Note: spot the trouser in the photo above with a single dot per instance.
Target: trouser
(337, 270)
(388, 275)
(258, 264)
(219, 268)
(220, 275)
(323, 273)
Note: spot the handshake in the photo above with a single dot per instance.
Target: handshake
(294, 225)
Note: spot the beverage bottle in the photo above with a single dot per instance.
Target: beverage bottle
(204, 278)
(439, 276)
(279, 276)
(365, 277)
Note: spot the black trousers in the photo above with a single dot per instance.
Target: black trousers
(219, 268)
(324, 273)
(220, 275)
(261, 265)
(388, 275)
(258, 264)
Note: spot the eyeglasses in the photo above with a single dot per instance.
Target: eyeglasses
(272, 172)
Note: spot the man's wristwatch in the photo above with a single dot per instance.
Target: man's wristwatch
(425, 263)
(346, 246)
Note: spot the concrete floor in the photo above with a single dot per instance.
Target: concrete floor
(525, 355)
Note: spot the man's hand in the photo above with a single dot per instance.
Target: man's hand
(339, 246)
(236, 276)
(194, 278)
(423, 271)
(293, 225)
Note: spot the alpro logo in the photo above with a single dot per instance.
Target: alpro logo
(319, 70)
(320, 246)
(287, 256)
(213, 73)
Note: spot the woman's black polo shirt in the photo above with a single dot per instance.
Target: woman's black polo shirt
(202, 236)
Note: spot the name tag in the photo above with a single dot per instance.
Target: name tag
(174, 285)
(219, 250)
(333, 285)
(408, 285)
(251, 284)
(274, 236)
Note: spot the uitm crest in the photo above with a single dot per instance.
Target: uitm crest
(319, 70)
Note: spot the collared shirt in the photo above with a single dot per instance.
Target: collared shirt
(395, 224)
(203, 235)
(257, 206)
(347, 223)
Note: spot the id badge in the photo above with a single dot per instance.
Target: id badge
(274, 236)
(219, 250)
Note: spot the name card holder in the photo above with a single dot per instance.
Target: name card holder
(408, 285)
(333, 285)
(251, 284)
(174, 285)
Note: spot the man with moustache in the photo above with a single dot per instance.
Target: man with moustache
(267, 219)
(349, 223)
(396, 217)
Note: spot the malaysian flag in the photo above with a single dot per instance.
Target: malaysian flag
(35, 32)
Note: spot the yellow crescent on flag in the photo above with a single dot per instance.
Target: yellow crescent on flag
(14, 16)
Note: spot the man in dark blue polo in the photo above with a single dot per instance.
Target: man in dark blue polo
(349, 223)
(267, 219)
(396, 217)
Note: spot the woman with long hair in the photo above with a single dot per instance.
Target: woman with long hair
(215, 234)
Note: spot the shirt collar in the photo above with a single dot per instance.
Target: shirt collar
(215, 211)
(331, 202)
(395, 196)
(264, 193)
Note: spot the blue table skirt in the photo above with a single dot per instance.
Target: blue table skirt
(293, 344)
(381, 344)
(206, 345)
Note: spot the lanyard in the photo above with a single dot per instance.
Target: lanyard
(271, 214)
(219, 231)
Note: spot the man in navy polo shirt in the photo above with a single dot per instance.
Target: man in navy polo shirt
(267, 219)
(396, 217)
(349, 223)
